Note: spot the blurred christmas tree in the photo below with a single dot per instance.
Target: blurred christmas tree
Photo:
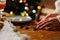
(23, 7)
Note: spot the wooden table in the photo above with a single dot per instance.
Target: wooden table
(40, 34)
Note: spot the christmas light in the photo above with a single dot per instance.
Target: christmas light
(26, 4)
(39, 7)
(22, 14)
(26, 8)
(36, 14)
(26, 14)
(11, 12)
(19, 6)
(21, 1)
(34, 11)
(24, 1)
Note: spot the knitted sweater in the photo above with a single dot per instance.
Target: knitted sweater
(57, 10)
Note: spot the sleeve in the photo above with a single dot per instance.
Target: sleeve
(57, 7)
(58, 17)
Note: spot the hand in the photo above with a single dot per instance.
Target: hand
(48, 16)
(50, 23)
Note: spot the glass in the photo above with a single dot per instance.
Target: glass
(2, 6)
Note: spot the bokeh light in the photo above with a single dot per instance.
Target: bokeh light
(39, 7)
(24, 1)
(26, 4)
(34, 11)
(27, 14)
(36, 14)
(11, 12)
(26, 8)
(24, 13)
(21, 1)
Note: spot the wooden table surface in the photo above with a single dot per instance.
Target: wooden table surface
(40, 34)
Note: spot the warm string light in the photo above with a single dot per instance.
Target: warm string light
(11, 12)
(24, 13)
(36, 14)
(21, 1)
(26, 4)
(39, 7)
(24, 1)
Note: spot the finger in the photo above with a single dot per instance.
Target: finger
(49, 15)
(41, 21)
(48, 20)
(44, 19)
(45, 25)
(41, 24)
(44, 22)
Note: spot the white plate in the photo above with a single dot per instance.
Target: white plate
(16, 18)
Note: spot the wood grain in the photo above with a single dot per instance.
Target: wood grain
(39, 34)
